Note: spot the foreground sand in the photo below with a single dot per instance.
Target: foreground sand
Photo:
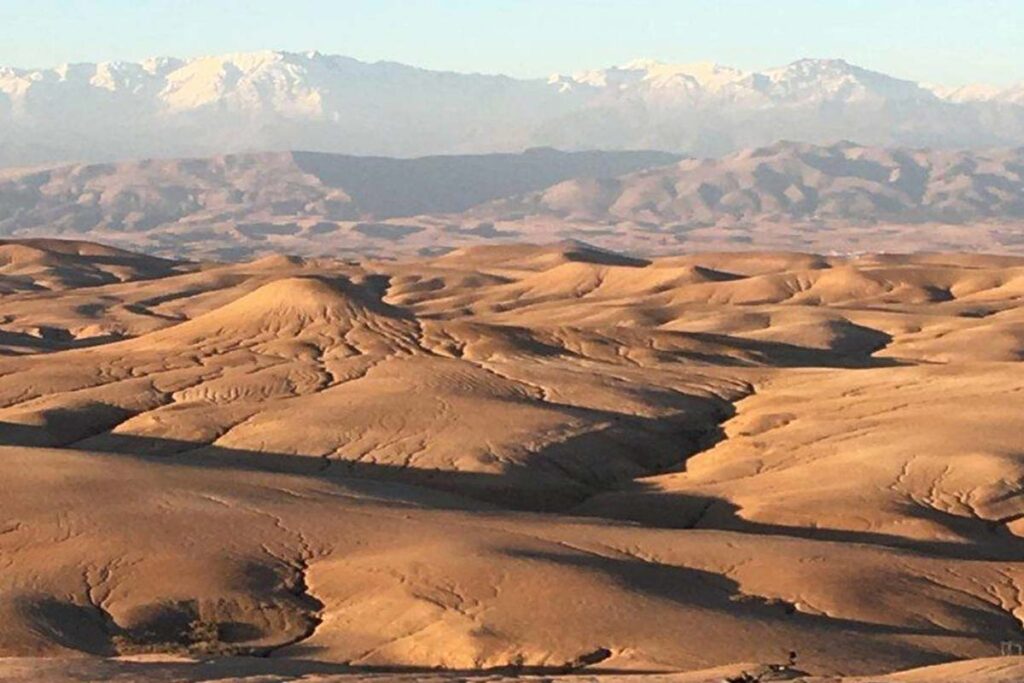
(511, 456)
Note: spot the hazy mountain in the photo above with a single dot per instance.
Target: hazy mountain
(982, 93)
(787, 195)
(844, 182)
(239, 198)
(280, 100)
(259, 101)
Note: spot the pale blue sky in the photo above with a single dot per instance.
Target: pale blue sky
(940, 41)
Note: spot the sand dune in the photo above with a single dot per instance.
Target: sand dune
(512, 456)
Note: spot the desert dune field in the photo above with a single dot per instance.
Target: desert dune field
(543, 461)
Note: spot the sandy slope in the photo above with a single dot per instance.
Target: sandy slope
(518, 455)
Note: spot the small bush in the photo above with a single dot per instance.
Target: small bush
(200, 631)
(201, 637)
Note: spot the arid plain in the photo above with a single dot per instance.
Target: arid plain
(521, 459)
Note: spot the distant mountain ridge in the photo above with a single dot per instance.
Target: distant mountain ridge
(235, 199)
(795, 181)
(270, 100)
(786, 196)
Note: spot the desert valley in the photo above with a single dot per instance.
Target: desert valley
(336, 369)
(511, 458)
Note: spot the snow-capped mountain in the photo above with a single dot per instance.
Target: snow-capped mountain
(807, 81)
(282, 100)
(982, 93)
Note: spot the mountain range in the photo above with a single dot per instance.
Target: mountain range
(235, 205)
(839, 198)
(794, 181)
(272, 100)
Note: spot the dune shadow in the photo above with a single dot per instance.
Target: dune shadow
(608, 499)
(706, 590)
(554, 478)
(640, 503)
(855, 350)
(50, 340)
(73, 626)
